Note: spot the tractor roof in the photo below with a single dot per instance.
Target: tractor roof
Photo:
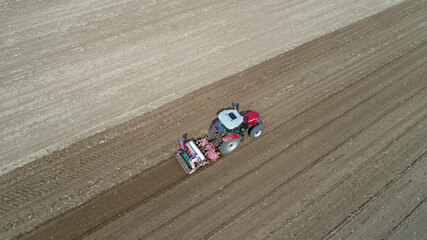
(231, 118)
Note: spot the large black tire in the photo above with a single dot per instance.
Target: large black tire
(256, 131)
(230, 146)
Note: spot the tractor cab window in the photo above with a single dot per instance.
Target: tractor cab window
(238, 130)
(229, 131)
(221, 127)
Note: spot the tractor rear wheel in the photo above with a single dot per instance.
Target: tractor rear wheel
(256, 131)
(230, 146)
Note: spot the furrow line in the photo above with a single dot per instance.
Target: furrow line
(347, 177)
(416, 208)
(373, 197)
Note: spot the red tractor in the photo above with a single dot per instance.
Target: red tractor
(229, 129)
(225, 134)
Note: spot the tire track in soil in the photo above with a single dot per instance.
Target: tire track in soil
(400, 226)
(374, 158)
(373, 198)
(390, 143)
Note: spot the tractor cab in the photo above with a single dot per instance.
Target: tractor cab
(230, 121)
(229, 129)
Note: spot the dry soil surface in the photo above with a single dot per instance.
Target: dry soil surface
(71, 68)
(343, 154)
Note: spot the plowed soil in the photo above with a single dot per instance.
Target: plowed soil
(70, 69)
(343, 154)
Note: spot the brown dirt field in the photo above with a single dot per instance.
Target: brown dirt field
(71, 69)
(343, 155)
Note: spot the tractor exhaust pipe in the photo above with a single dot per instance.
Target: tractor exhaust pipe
(235, 106)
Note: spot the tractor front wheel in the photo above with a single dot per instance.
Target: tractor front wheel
(230, 146)
(256, 131)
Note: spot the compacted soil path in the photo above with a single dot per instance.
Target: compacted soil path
(343, 154)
